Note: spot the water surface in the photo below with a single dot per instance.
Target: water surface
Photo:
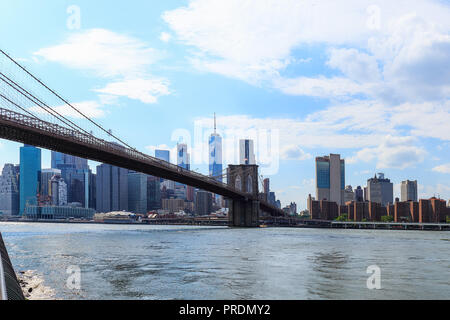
(183, 262)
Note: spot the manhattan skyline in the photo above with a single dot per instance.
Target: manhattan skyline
(355, 95)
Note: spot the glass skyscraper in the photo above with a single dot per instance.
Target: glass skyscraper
(30, 171)
(330, 178)
(163, 155)
(215, 154)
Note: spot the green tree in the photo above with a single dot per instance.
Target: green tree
(387, 219)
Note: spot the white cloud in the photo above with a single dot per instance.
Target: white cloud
(355, 65)
(294, 152)
(319, 87)
(92, 109)
(444, 168)
(144, 90)
(122, 59)
(255, 41)
(393, 152)
(103, 52)
(165, 37)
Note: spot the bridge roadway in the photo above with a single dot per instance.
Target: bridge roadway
(33, 131)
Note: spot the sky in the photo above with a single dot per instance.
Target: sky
(369, 80)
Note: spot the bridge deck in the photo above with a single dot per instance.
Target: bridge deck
(26, 129)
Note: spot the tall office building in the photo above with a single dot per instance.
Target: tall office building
(409, 190)
(349, 194)
(137, 192)
(330, 178)
(246, 152)
(30, 174)
(163, 155)
(92, 190)
(58, 191)
(9, 190)
(153, 193)
(215, 154)
(46, 177)
(75, 172)
(61, 158)
(359, 194)
(112, 188)
(183, 156)
(380, 190)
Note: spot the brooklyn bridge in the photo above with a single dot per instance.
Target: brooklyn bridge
(27, 116)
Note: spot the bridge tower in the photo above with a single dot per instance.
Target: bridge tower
(244, 213)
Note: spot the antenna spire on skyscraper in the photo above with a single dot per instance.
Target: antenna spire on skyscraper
(215, 126)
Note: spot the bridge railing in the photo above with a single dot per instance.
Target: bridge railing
(91, 140)
(9, 286)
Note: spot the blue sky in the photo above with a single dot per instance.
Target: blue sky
(367, 79)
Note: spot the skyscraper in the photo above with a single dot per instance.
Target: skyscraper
(330, 178)
(359, 194)
(163, 155)
(246, 152)
(215, 154)
(153, 193)
(137, 192)
(203, 203)
(349, 194)
(112, 188)
(75, 172)
(9, 190)
(409, 190)
(183, 156)
(58, 191)
(380, 190)
(46, 177)
(30, 172)
(61, 158)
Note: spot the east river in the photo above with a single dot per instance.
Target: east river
(181, 262)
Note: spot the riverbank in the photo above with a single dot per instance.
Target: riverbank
(266, 223)
(33, 287)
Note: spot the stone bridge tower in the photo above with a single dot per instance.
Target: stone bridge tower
(244, 213)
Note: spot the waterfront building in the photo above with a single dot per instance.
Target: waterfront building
(137, 192)
(330, 178)
(9, 190)
(203, 203)
(409, 190)
(30, 174)
(58, 212)
(323, 209)
(246, 152)
(112, 188)
(380, 189)
(173, 205)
